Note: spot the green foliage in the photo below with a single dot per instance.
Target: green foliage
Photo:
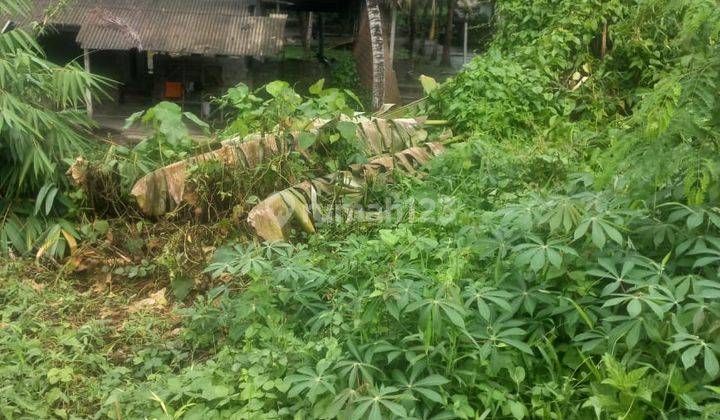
(560, 263)
(343, 71)
(316, 128)
(171, 139)
(284, 110)
(222, 191)
(41, 127)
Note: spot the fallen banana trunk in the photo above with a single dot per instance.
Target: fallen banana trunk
(299, 206)
(165, 189)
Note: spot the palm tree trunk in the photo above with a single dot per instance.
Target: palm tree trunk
(448, 33)
(378, 52)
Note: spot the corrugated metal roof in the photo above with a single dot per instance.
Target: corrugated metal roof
(216, 27)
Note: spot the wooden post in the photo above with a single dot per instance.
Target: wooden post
(393, 31)
(309, 32)
(465, 43)
(88, 94)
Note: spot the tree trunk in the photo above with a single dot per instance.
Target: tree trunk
(433, 21)
(378, 52)
(448, 33)
(432, 36)
(393, 31)
(412, 17)
(422, 36)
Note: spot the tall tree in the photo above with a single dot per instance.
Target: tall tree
(432, 35)
(378, 52)
(412, 24)
(448, 33)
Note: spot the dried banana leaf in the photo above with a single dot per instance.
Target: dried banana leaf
(165, 189)
(298, 206)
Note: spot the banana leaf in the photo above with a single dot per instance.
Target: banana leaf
(299, 206)
(165, 189)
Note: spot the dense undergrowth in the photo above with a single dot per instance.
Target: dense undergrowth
(561, 263)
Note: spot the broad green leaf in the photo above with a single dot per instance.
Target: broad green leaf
(429, 84)
(274, 88)
(317, 87)
(517, 409)
(306, 140)
(348, 130)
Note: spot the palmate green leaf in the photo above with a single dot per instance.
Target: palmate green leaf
(711, 362)
(633, 335)
(430, 395)
(688, 356)
(432, 380)
(695, 220)
(537, 261)
(598, 235)
(359, 411)
(601, 230)
(634, 307)
(523, 347)
(454, 315)
(378, 401)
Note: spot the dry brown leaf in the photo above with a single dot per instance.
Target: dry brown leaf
(156, 300)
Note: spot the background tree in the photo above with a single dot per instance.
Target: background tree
(445, 61)
(412, 26)
(432, 34)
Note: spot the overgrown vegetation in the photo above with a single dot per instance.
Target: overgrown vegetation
(41, 125)
(561, 263)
